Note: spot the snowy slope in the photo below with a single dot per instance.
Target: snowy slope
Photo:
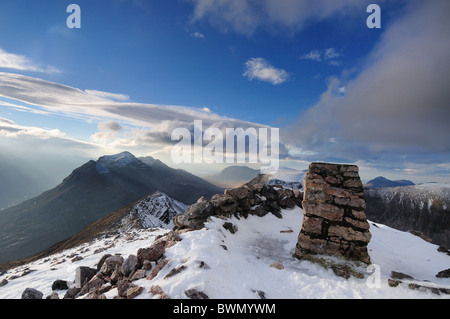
(237, 266)
(157, 210)
(417, 195)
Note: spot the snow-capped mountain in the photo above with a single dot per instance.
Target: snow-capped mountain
(424, 208)
(89, 193)
(157, 210)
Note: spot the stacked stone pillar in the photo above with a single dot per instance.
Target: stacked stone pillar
(334, 222)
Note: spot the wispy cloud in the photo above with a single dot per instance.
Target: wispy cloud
(260, 69)
(22, 63)
(197, 35)
(330, 55)
(246, 16)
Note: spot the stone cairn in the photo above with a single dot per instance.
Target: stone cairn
(334, 222)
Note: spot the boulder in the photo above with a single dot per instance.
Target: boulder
(60, 285)
(31, 293)
(83, 274)
(110, 264)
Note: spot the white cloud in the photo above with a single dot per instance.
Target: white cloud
(197, 35)
(107, 95)
(259, 68)
(22, 63)
(157, 120)
(329, 55)
(314, 55)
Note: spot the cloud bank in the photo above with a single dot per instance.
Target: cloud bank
(397, 107)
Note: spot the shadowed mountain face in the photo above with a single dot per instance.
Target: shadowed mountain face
(91, 192)
(384, 182)
(422, 208)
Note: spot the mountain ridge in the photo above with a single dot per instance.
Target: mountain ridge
(88, 194)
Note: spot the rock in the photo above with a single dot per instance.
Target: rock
(102, 260)
(92, 285)
(195, 294)
(134, 292)
(277, 265)
(230, 227)
(393, 283)
(195, 216)
(83, 274)
(139, 274)
(153, 253)
(31, 293)
(175, 271)
(444, 274)
(122, 288)
(4, 282)
(157, 269)
(53, 296)
(334, 222)
(60, 285)
(400, 275)
(157, 291)
(71, 293)
(129, 265)
(110, 264)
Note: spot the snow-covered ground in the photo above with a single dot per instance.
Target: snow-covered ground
(238, 266)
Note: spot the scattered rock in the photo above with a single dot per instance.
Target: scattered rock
(53, 296)
(122, 288)
(110, 264)
(4, 282)
(129, 265)
(400, 275)
(277, 265)
(261, 294)
(102, 260)
(134, 292)
(157, 291)
(72, 292)
(139, 274)
(195, 294)
(153, 253)
(394, 283)
(175, 271)
(60, 285)
(230, 227)
(443, 274)
(31, 293)
(83, 274)
(157, 269)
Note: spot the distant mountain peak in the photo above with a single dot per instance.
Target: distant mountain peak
(124, 159)
(381, 181)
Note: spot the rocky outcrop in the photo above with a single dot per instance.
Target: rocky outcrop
(334, 222)
(243, 201)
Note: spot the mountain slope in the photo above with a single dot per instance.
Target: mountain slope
(223, 265)
(384, 182)
(424, 208)
(91, 192)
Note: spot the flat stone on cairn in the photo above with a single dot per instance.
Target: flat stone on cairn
(334, 222)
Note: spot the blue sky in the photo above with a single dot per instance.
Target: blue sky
(137, 69)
